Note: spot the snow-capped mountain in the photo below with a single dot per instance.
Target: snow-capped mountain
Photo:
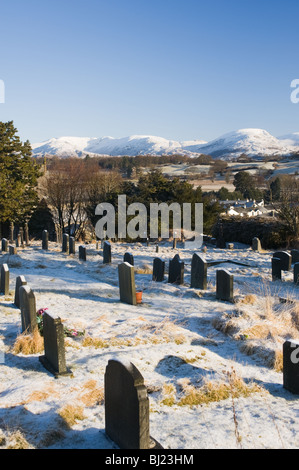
(253, 142)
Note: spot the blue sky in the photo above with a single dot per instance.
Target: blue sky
(179, 69)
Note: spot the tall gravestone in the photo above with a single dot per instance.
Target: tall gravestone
(276, 269)
(199, 272)
(54, 357)
(26, 234)
(72, 246)
(127, 407)
(28, 309)
(291, 366)
(158, 270)
(4, 280)
(285, 260)
(176, 271)
(11, 232)
(107, 253)
(224, 285)
(256, 244)
(296, 273)
(65, 243)
(4, 245)
(22, 236)
(45, 240)
(129, 258)
(126, 278)
(20, 281)
(82, 253)
(295, 256)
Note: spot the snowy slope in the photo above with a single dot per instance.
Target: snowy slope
(253, 142)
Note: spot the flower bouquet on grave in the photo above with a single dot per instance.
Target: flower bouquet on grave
(70, 332)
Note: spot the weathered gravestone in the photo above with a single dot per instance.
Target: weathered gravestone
(285, 258)
(45, 240)
(106, 253)
(54, 357)
(12, 249)
(296, 273)
(276, 269)
(82, 253)
(256, 244)
(126, 278)
(22, 236)
(291, 366)
(4, 245)
(199, 272)
(4, 280)
(127, 407)
(26, 234)
(224, 285)
(28, 309)
(20, 281)
(65, 243)
(295, 256)
(11, 232)
(176, 271)
(72, 245)
(158, 270)
(129, 258)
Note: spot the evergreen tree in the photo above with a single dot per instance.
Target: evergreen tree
(18, 176)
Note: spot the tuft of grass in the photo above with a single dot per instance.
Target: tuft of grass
(32, 343)
(17, 440)
(71, 414)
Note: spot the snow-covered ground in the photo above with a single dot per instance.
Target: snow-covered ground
(173, 338)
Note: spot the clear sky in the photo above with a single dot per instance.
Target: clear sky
(179, 69)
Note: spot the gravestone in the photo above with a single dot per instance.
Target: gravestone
(296, 273)
(28, 308)
(129, 258)
(26, 234)
(45, 240)
(4, 280)
(18, 241)
(126, 279)
(256, 244)
(158, 270)
(54, 357)
(291, 366)
(82, 253)
(174, 242)
(11, 232)
(224, 285)
(4, 245)
(106, 253)
(20, 281)
(157, 248)
(199, 272)
(12, 249)
(285, 258)
(220, 242)
(295, 256)
(22, 236)
(276, 269)
(127, 407)
(176, 271)
(65, 243)
(72, 245)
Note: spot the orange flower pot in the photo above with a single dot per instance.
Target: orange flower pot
(139, 297)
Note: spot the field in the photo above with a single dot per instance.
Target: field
(213, 369)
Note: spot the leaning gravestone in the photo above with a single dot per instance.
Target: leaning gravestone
(4, 281)
(296, 273)
(295, 256)
(65, 243)
(276, 269)
(199, 270)
(82, 253)
(126, 278)
(127, 407)
(45, 240)
(256, 244)
(12, 250)
(224, 285)
(107, 253)
(4, 245)
(72, 246)
(291, 366)
(158, 270)
(54, 357)
(20, 281)
(129, 258)
(176, 271)
(28, 309)
(285, 258)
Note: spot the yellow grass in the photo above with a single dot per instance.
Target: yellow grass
(31, 343)
(71, 414)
